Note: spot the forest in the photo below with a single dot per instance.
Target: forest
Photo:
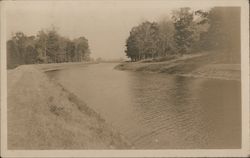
(188, 31)
(46, 47)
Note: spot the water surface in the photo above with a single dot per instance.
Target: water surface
(159, 111)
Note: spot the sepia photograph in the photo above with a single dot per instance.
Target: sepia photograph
(121, 78)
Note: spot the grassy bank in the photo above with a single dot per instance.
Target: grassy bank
(203, 65)
(44, 115)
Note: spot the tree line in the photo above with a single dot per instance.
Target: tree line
(46, 47)
(188, 31)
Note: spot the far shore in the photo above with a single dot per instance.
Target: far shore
(58, 66)
(200, 65)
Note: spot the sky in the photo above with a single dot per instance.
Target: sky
(106, 24)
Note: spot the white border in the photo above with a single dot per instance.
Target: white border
(3, 82)
(243, 152)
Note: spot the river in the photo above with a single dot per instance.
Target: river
(160, 111)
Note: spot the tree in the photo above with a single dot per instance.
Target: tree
(52, 45)
(20, 40)
(13, 56)
(70, 50)
(46, 47)
(223, 34)
(183, 22)
(166, 38)
(21, 49)
(41, 46)
(82, 51)
(132, 50)
(31, 54)
(143, 41)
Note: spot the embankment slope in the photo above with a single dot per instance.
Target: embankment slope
(43, 115)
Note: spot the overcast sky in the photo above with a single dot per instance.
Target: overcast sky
(106, 24)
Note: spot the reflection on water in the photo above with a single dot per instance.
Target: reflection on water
(159, 111)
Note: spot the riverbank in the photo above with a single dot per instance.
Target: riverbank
(202, 65)
(44, 115)
(59, 66)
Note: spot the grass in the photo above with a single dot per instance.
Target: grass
(44, 115)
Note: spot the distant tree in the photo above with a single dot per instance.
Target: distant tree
(82, 51)
(203, 16)
(215, 30)
(41, 46)
(166, 38)
(143, 41)
(147, 39)
(183, 22)
(46, 47)
(21, 49)
(152, 40)
(31, 54)
(13, 56)
(70, 50)
(20, 41)
(223, 33)
(52, 45)
(132, 48)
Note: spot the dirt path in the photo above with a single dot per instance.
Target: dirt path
(43, 115)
